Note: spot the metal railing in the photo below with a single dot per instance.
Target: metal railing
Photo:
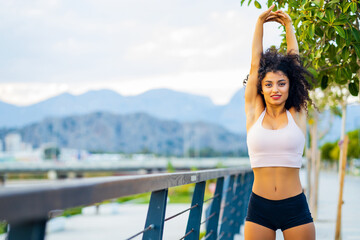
(27, 209)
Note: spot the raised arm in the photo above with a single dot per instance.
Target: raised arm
(257, 43)
(251, 93)
(292, 44)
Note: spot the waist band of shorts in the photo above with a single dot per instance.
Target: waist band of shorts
(280, 201)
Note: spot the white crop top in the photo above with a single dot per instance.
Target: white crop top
(275, 148)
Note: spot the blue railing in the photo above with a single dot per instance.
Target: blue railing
(27, 210)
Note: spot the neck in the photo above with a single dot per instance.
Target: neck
(275, 111)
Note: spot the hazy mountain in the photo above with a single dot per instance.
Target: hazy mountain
(130, 133)
(161, 103)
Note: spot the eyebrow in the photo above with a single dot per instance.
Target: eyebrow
(278, 81)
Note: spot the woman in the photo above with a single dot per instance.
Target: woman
(276, 98)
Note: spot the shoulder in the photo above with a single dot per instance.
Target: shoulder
(299, 118)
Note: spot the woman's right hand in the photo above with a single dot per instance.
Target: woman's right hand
(266, 14)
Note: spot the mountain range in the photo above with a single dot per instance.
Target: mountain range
(130, 133)
(163, 104)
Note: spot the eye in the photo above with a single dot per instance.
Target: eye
(268, 85)
(282, 84)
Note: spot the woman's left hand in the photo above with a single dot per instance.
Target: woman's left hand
(285, 18)
(273, 17)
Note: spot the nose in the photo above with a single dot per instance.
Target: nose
(275, 89)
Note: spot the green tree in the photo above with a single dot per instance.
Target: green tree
(326, 151)
(330, 150)
(354, 144)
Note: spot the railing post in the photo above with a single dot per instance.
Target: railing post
(193, 225)
(248, 182)
(156, 215)
(239, 202)
(212, 225)
(28, 231)
(3, 177)
(227, 219)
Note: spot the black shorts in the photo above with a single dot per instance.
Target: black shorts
(279, 214)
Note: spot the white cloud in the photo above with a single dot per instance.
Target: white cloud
(130, 46)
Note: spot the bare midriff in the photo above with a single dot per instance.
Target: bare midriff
(276, 183)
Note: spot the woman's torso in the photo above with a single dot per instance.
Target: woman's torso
(275, 182)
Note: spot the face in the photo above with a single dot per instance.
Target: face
(275, 88)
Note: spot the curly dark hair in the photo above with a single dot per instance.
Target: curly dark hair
(290, 64)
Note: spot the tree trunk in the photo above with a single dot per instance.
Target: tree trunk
(314, 150)
(342, 166)
(308, 173)
(316, 183)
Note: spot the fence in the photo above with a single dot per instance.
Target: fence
(28, 209)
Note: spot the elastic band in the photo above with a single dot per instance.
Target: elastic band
(281, 201)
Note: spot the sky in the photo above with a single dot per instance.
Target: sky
(48, 47)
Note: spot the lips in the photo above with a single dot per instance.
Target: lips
(276, 96)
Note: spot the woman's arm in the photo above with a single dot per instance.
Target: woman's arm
(251, 94)
(257, 43)
(292, 44)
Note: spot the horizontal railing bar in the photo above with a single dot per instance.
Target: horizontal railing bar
(187, 234)
(35, 201)
(169, 218)
(208, 235)
(207, 219)
(221, 235)
(145, 230)
(215, 196)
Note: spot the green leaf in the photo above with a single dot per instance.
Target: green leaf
(296, 22)
(345, 54)
(334, 1)
(340, 31)
(354, 88)
(318, 53)
(346, 7)
(353, 7)
(336, 111)
(257, 4)
(324, 82)
(319, 31)
(347, 72)
(357, 49)
(317, 3)
(338, 76)
(326, 47)
(356, 34)
(320, 14)
(332, 51)
(311, 31)
(269, 3)
(340, 22)
(348, 37)
(330, 15)
(242, 2)
(313, 72)
(249, 2)
(306, 46)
